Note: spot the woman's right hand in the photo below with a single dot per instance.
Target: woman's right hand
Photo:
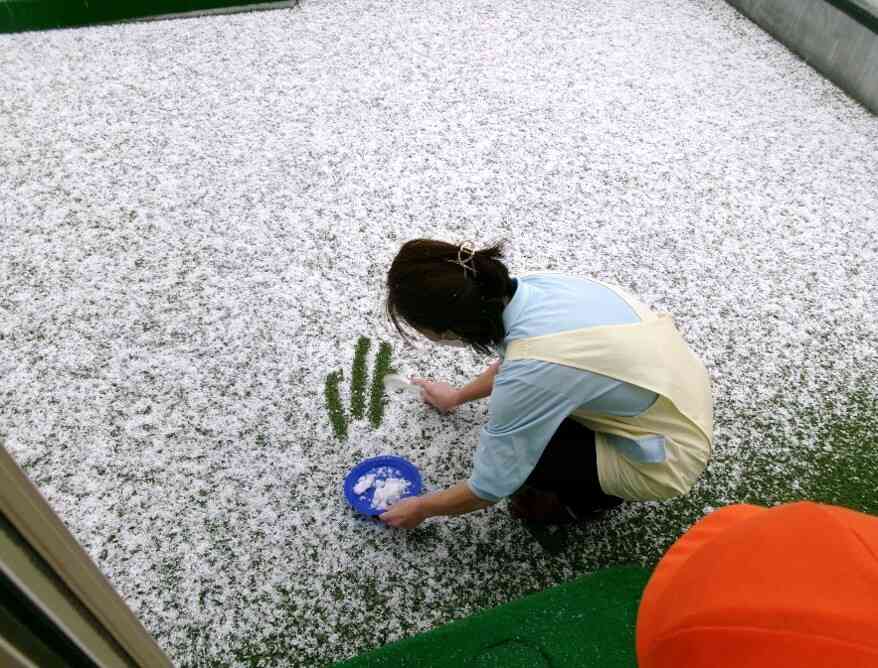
(441, 396)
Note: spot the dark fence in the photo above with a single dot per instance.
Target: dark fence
(19, 15)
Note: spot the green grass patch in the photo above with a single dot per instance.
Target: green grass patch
(841, 469)
(358, 379)
(845, 468)
(588, 622)
(381, 369)
(333, 404)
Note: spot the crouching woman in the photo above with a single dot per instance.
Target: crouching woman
(596, 400)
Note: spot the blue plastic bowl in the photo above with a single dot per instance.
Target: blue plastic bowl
(396, 467)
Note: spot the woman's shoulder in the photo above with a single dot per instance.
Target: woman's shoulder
(548, 276)
(544, 273)
(549, 279)
(561, 301)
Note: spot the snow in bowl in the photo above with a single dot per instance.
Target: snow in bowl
(375, 484)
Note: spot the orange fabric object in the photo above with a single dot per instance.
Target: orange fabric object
(795, 586)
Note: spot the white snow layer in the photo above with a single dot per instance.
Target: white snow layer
(197, 216)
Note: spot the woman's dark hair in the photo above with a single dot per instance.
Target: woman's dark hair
(428, 288)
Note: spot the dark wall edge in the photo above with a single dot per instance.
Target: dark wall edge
(835, 37)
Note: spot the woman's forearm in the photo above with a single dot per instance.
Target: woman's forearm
(480, 387)
(456, 500)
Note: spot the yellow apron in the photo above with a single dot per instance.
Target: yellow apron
(653, 355)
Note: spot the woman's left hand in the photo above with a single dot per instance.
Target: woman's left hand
(405, 514)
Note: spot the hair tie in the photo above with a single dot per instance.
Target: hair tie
(465, 254)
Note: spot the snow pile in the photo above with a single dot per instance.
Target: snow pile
(388, 484)
(364, 483)
(389, 491)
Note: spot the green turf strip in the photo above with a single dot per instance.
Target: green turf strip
(588, 622)
(376, 398)
(358, 379)
(333, 405)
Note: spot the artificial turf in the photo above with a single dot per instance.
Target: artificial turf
(840, 468)
(590, 621)
(358, 378)
(333, 405)
(197, 220)
(587, 622)
(376, 397)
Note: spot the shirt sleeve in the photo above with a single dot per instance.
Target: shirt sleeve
(522, 418)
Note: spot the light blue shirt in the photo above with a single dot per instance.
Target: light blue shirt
(531, 398)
